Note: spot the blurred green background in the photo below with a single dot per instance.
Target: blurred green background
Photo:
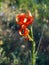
(14, 50)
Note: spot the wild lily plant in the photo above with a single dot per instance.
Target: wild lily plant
(24, 20)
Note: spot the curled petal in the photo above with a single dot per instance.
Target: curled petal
(20, 17)
(29, 13)
(23, 26)
(24, 32)
(29, 21)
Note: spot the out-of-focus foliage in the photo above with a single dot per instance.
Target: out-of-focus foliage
(14, 50)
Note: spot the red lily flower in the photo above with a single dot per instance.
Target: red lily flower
(24, 20)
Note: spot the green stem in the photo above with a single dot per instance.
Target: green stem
(33, 49)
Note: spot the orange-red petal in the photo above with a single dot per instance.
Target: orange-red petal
(25, 33)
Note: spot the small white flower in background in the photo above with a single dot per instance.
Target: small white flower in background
(22, 46)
